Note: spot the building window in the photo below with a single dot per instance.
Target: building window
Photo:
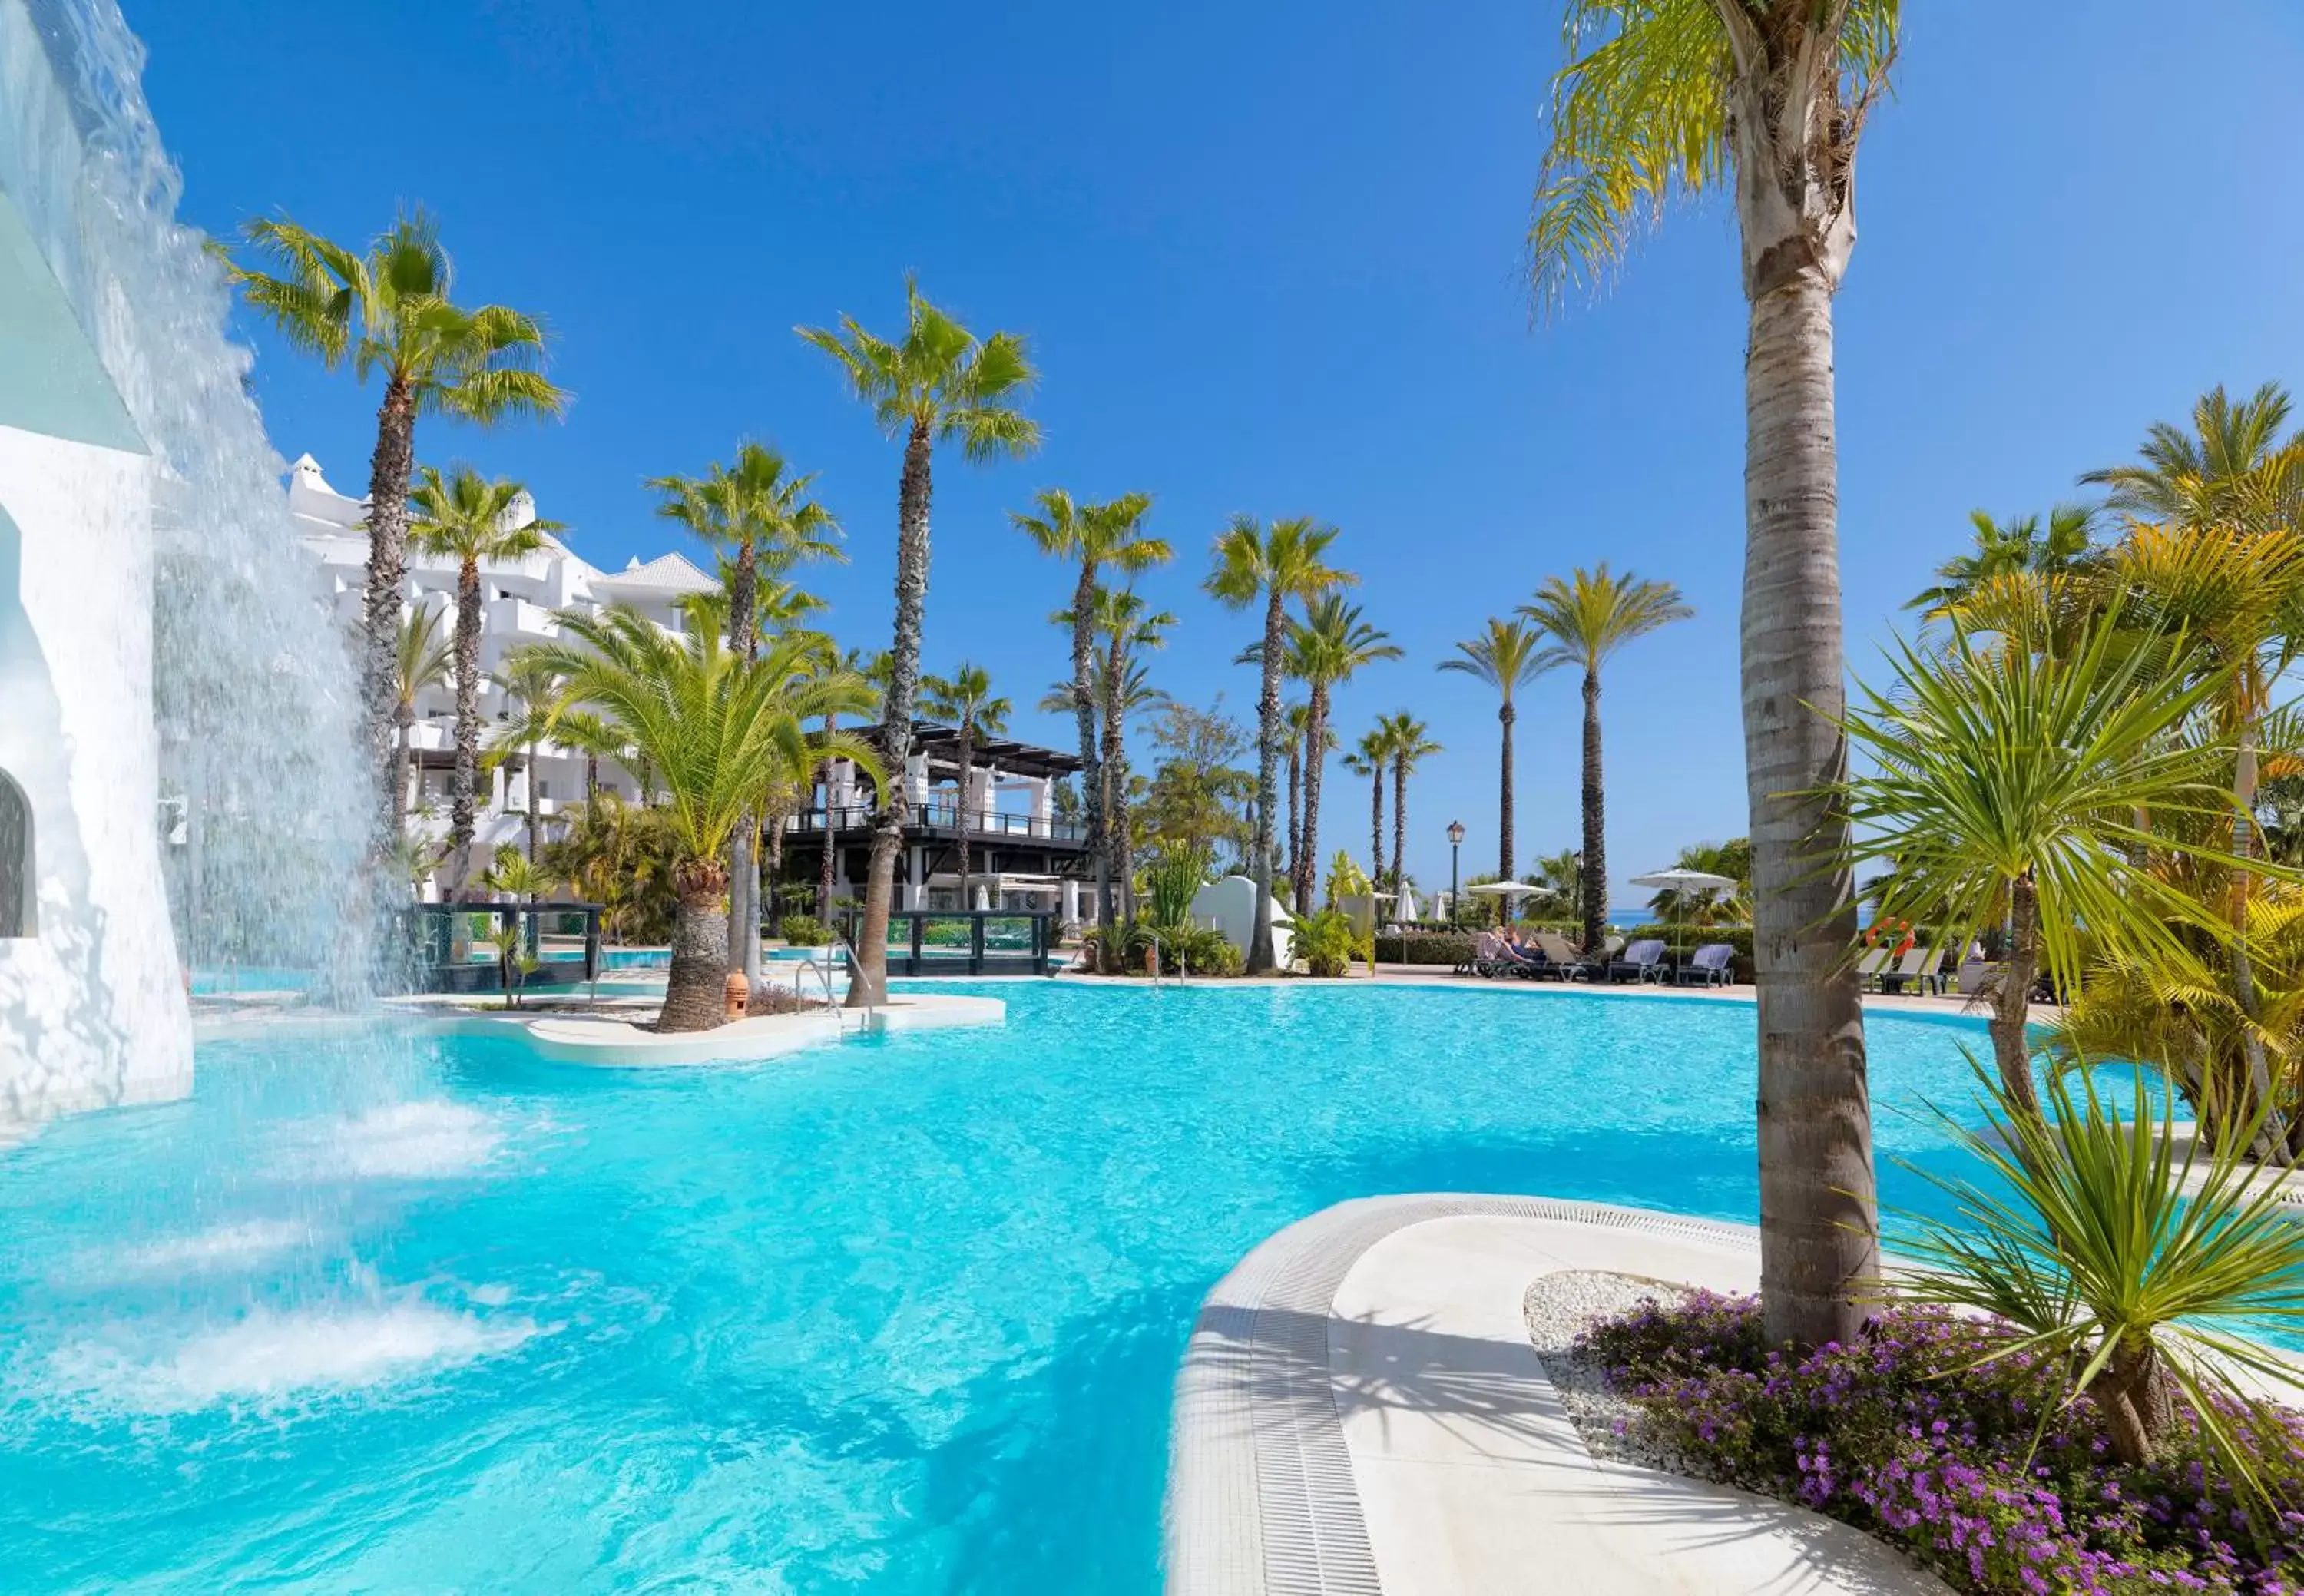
(18, 884)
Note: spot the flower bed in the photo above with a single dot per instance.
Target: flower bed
(1982, 1473)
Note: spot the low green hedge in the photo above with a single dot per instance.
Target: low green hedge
(1424, 947)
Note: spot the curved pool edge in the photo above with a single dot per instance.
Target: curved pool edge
(1261, 1500)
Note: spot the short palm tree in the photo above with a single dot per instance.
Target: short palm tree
(465, 517)
(719, 731)
(1325, 650)
(531, 695)
(1409, 741)
(1253, 564)
(1372, 757)
(757, 516)
(1665, 100)
(2018, 548)
(1710, 905)
(421, 660)
(966, 698)
(2009, 786)
(391, 310)
(936, 383)
(1507, 656)
(1587, 617)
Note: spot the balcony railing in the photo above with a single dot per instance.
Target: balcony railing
(945, 816)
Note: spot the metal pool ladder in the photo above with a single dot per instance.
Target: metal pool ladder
(855, 974)
(809, 966)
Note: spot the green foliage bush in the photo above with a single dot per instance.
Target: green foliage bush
(1324, 941)
(803, 930)
(1425, 948)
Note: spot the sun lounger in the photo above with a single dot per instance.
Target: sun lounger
(1560, 959)
(1643, 960)
(1920, 967)
(1709, 967)
(1869, 967)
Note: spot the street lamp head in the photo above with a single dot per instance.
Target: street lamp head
(1455, 834)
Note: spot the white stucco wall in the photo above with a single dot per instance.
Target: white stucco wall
(92, 1009)
(1229, 906)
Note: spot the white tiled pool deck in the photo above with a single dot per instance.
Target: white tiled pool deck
(1361, 1412)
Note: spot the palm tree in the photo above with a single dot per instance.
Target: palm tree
(2007, 789)
(1409, 741)
(1559, 880)
(1287, 559)
(937, 383)
(2234, 469)
(1098, 536)
(719, 731)
(1508, 656)
(1325, 650)
(1126, 625)
(1709, 905)
(1662, 98)
(2018, 548)
(1295, 732)
(1588, 616)
(870, 671)
(421, 660)
(757, 516)
(464, 517)
(965, 697)
(1372, 758)
(532, 691)
(391, 310)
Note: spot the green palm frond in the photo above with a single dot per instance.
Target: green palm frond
(1590, 615)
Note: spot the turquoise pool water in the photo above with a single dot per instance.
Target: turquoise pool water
(895, 1316)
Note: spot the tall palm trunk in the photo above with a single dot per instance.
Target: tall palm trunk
(389, 469)
(1118, 846)
(1596, 821)
(1376, 819)
(1399, 823)
(1506, 715)
(896, 714)
(744, 875)
(1295, 809)
(1315, 740)
(405, 720)
(1084, 719)
(693, 993)
(534, 814)
(1261, 959)
(591, 779)
(967, 780)
(824, 866)
(463, 784)
(1818, 1218)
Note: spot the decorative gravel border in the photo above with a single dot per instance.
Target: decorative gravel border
(1260, 1495)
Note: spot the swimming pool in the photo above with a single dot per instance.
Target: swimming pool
(899, 1315)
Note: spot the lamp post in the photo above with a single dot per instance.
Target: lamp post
(1455, 854)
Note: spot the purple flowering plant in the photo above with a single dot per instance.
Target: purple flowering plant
(1948, 1436)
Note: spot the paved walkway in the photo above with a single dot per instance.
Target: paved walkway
(1361, 1412)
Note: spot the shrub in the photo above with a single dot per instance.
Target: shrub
(803, 930)
(1197, 950)
(1325, 941)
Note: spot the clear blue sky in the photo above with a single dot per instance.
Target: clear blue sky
(1267, 256)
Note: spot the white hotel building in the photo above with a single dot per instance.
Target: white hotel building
(1024, 857)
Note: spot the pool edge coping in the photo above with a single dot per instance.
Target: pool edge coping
(1260, 1498)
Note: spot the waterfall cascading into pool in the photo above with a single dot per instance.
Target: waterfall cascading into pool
(179, 781)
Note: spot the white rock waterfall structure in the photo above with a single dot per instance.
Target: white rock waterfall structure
(147, 582)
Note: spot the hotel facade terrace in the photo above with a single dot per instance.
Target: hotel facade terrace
(1024, 856)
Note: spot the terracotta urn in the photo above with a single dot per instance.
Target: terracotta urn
(736, 996)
